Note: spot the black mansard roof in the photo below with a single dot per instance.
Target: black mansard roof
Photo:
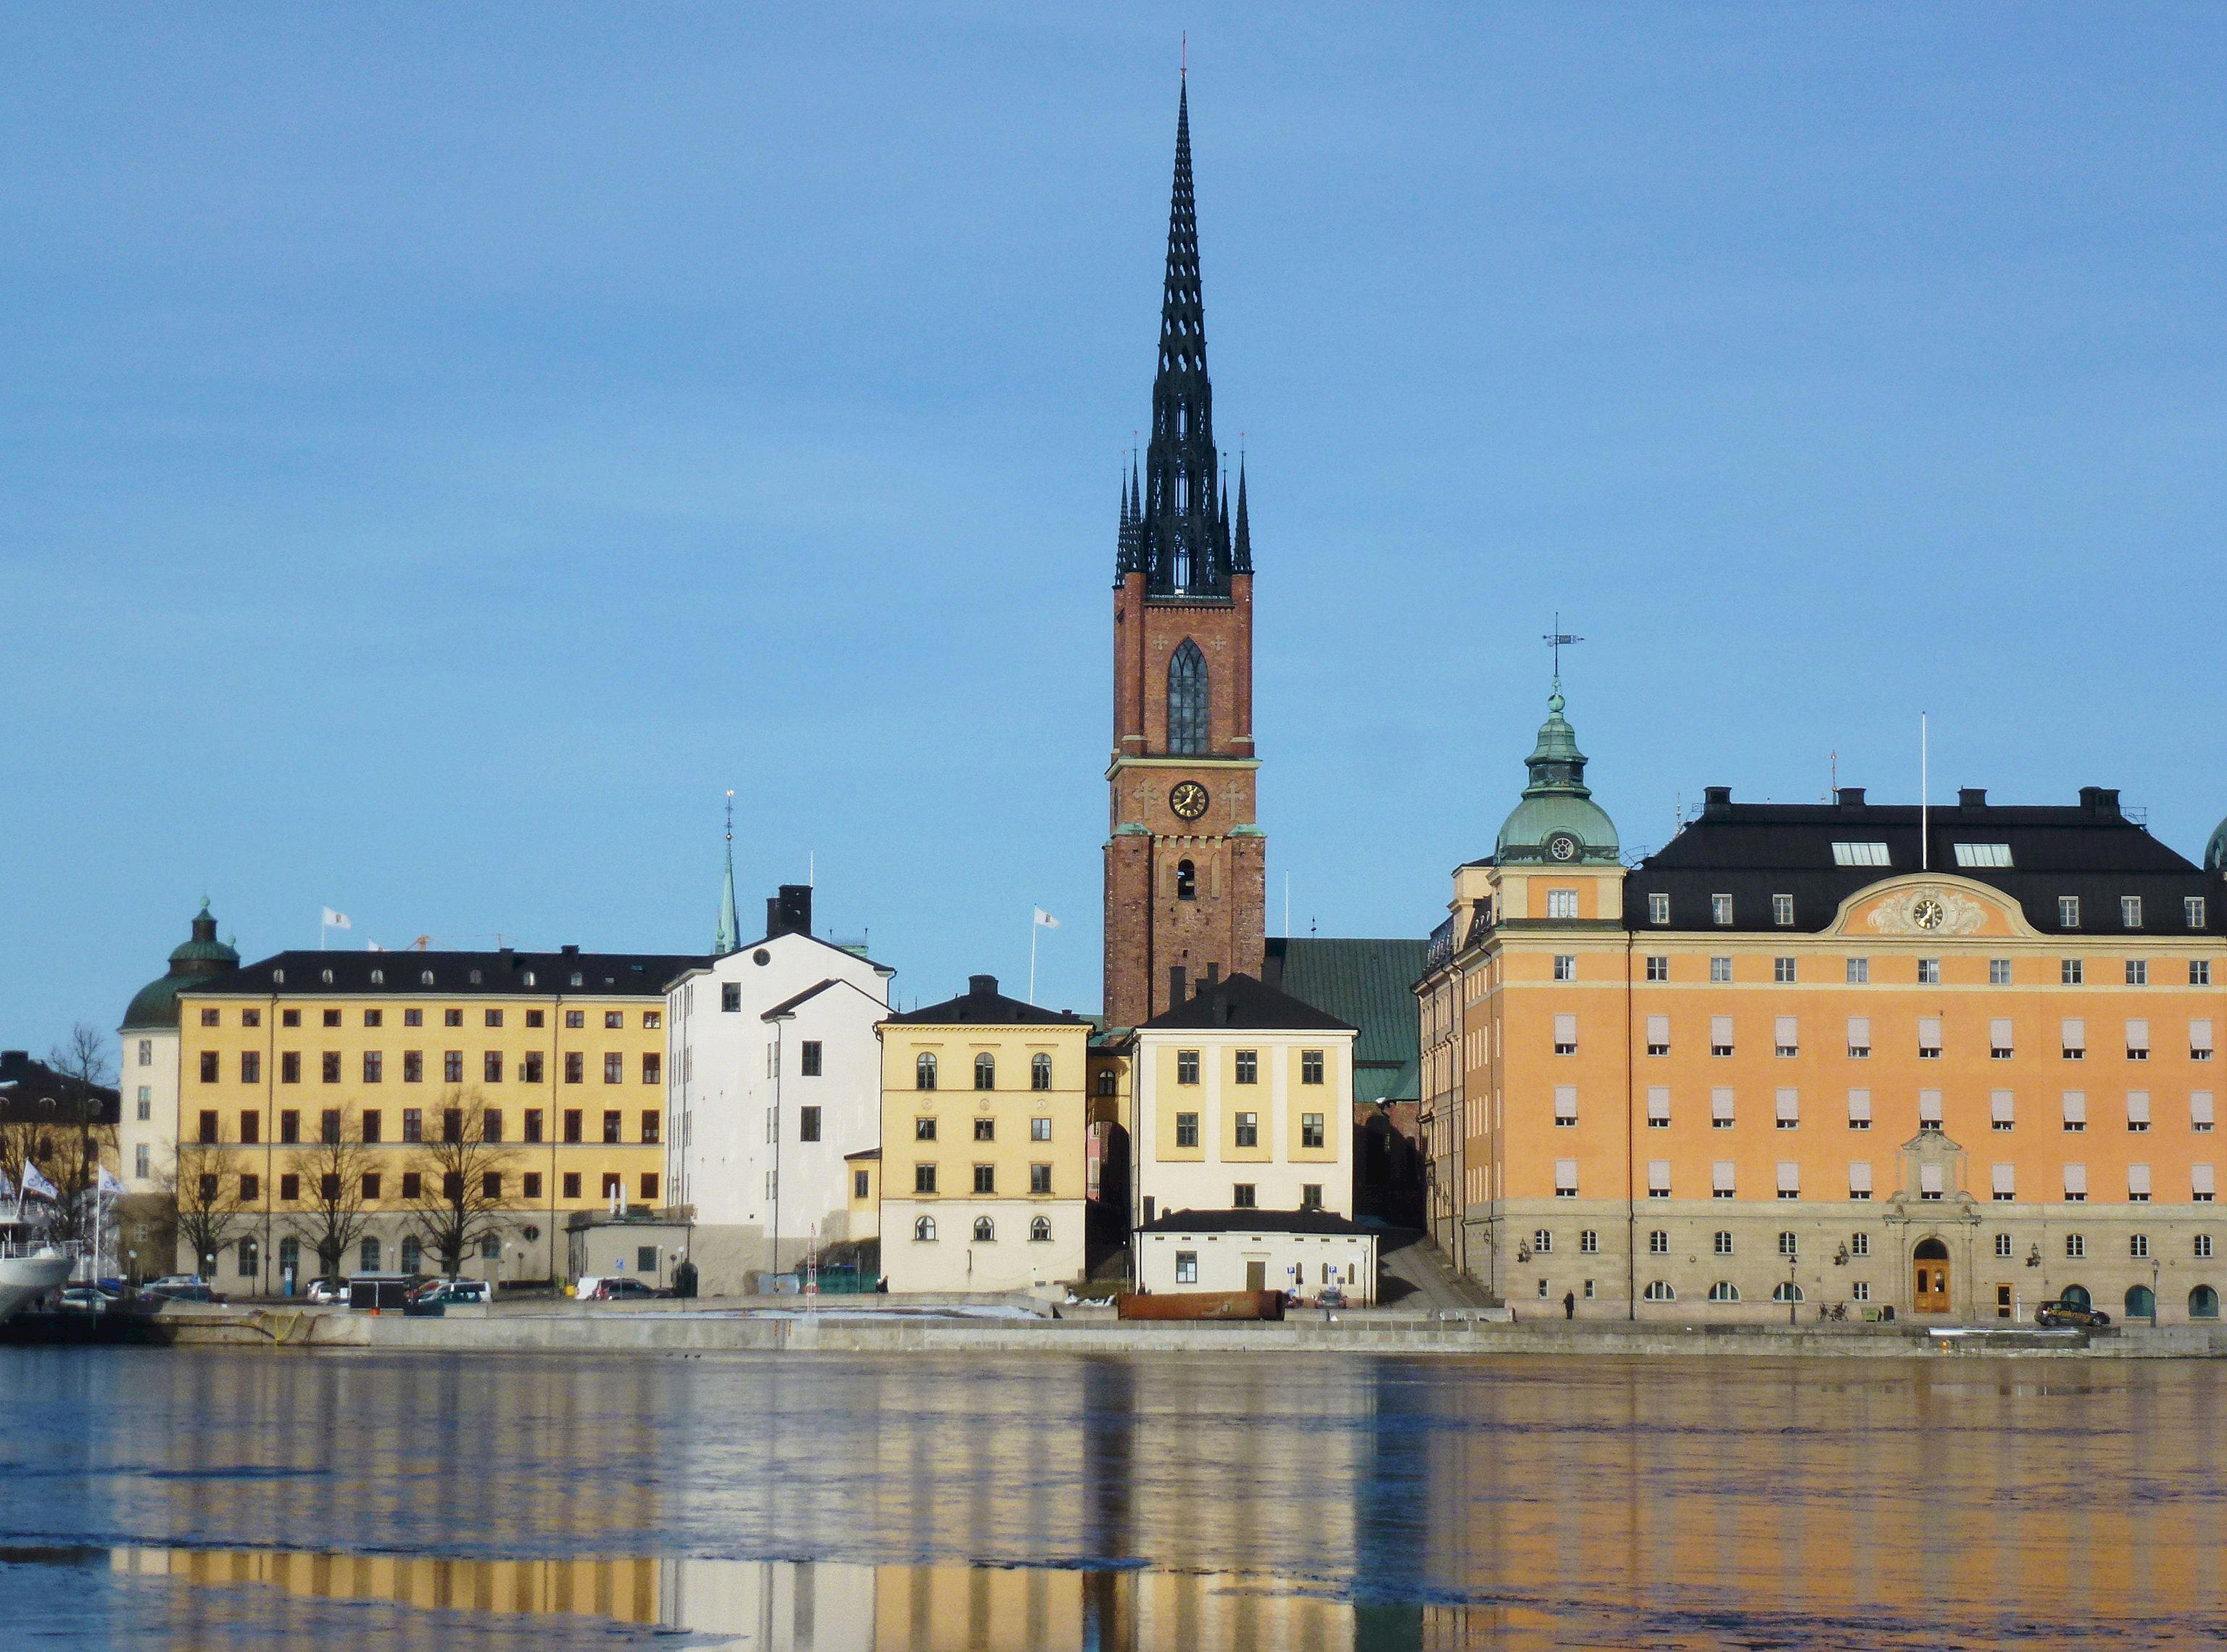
(32, 1093)
(505, 974)
(1753, 851)
(982, 1005)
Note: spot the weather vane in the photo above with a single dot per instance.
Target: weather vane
(1558, 640)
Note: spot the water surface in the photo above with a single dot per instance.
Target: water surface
(239, 1499)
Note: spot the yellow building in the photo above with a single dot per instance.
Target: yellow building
(983, 1110)
(1954, 1061)
(550, 1067)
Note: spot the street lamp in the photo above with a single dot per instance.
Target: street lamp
(2153, 1292)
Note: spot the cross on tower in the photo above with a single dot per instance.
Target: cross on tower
(1558, 640)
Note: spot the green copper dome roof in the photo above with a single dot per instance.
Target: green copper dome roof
(2215, 852)
(1557, 804)
(198, 958)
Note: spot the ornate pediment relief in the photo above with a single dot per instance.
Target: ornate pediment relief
(1925, 908)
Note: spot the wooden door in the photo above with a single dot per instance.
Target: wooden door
(1256, 1276)
(1932, 1293)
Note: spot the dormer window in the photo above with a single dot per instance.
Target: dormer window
(379, 977)
(2130, 911)
(477, 977)
(1782, 909)
(1984, 854)
(1658, 908)
(1720, 909)
(326, 975)
(425, 978)
(2068, 912)
(1861, 854)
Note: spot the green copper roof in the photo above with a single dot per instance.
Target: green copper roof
(198, 957)
(1557, 803)
(2215, 852)
(1369, 984)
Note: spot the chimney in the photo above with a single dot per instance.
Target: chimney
(1213, 977)
(572, 951)
(790, 913)
(1852, 797)
(981, 986)
(1972, 797)
(1716, 802)
(2100, 799)
(1178, 979)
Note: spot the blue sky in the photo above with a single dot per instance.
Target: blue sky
(444, 449)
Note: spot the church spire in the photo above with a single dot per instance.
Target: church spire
(730, 938)
(1182, 550)
(1240, 555)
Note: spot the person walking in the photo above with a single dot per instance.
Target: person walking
(1569, 1304)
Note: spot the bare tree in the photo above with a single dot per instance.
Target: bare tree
(463, 1182)
(211, 1213)
(83, 1055)
(71, 1156)
(332, 1219)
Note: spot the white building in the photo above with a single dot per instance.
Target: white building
(1243, 1101)
(1305, 1251)
(776, 1081)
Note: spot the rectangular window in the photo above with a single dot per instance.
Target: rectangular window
(1929, 1038)
(574, 1018)
(652, 1069)
(329, 1127)
(2075, 1111)
(861, 1183)
(329, 1067)
(374, 1126)
(923, 1179)
(570, 1184)
(2068, 912)
(1658, 1108)
(1928, 972)
(807, 1124)
(2137, 1039)
(1310, 1067)
(1859, 972)
(2130, 911)
(452, 1066)
(1039, 1178)
(533, 1124)
(1720, 971)
(491, 1125)
(2200, 1040)
(290, 1067)
(1984, 854)
(1860, 1109)
(923, 1130)
(1248, 1130)
(2191, 911)
(615, 1069)
(1787, 1035)
(2075, 1186)
(1789, 1109)
(1241, 1196)
(614, 1019)
(2069, 972)
(1998, 972)
(1720, 1035)
(1722, 1183)
(142, 1161)
(529, 1067)
(1566, 1035)
(1039, 1130)
(1931, 1183)
(2138, 1111)
(1658, 1035)
(251, 1128)
(2003, 1042)
(1789, 1180)
(1186, 1130)
(413, 1066)
(1861, 854)
(986, 1130)
(1859, 1037)
(576, 1067)
(2199, 971)
(1929, 1110)
(417, 1019)
(1720, 909)
(573, 1120)
(1658, 1187)
(1658, 969)
(491, 1067)
(2073, 1036)
(146, 1103)
(2138, 972)
(730, 997)
(985, 1178)
(2002, 1110)
(613, 1122)
(807, 1059)
(1658, 908)
(2202, 1190)
(452, 1017)
(1566, 1178)
(533, 1018)
(1186, 1267)
(290, 1128)
(1720, 1109)
(1566, 966)
(1186, 1066)
(1859, 1179)
(1311, 1129)
(649, 1186)
(495, 1018)
(1248, 1067)
(1561, 903)
(1782, 910)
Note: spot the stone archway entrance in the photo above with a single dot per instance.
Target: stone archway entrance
(1930, 1295)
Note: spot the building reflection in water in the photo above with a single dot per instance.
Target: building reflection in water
(776, 1606)
(1149, 1503)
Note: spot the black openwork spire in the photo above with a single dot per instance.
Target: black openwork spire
(1179, 538)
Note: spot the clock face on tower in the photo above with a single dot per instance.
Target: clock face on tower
(1189, 801)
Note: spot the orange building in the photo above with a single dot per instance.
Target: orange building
(1951, 1062)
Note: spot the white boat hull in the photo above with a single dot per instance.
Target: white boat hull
(22, 1277)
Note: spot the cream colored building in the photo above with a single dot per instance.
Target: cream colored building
(983, 1116)
(1243, 1100)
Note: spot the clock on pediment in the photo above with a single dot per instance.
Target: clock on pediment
(1189, 799)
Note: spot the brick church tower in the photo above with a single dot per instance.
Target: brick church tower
(1185, 866)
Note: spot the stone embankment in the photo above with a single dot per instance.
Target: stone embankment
(1018, 1324)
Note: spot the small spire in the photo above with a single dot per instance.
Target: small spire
(729, 938)
(1240, 556)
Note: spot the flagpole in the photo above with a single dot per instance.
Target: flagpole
(1033, 926)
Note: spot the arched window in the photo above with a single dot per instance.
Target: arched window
(1040, 1234)
(986, 1071)
(1724, 1291)
(413, 1253)
(2203, 1303)
(1659, 1291)
(923, 1230)
(985, 1230)
(251, 1258)
(368, 1256)
(1187, 699)
(1106, 1080)
(1785, 1291)
(2140, 1304)
(1186, 881)
(1040, 1071)
(2075, 1296)
(923, 1071)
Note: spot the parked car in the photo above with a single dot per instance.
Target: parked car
(86, 1299)
(2055, 1315)
(170, 1279)
(325, 1292)
(185, 1291)
(454, 1291)
(622, 1289)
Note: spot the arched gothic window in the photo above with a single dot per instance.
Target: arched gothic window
(925, 1230)
(1186, 881)
(1187, 699)
(1040, 1231)
(986, 1071)
(923, 1071)
(1040, 1071)
(985, 1231)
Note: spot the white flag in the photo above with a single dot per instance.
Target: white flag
(37, 1185)
(110, 1186)
(1046, 919)
(333, 920)
(7, 1187)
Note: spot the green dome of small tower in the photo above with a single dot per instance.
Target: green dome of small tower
(2215, 852)
(203, 955)
(1558, 823)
